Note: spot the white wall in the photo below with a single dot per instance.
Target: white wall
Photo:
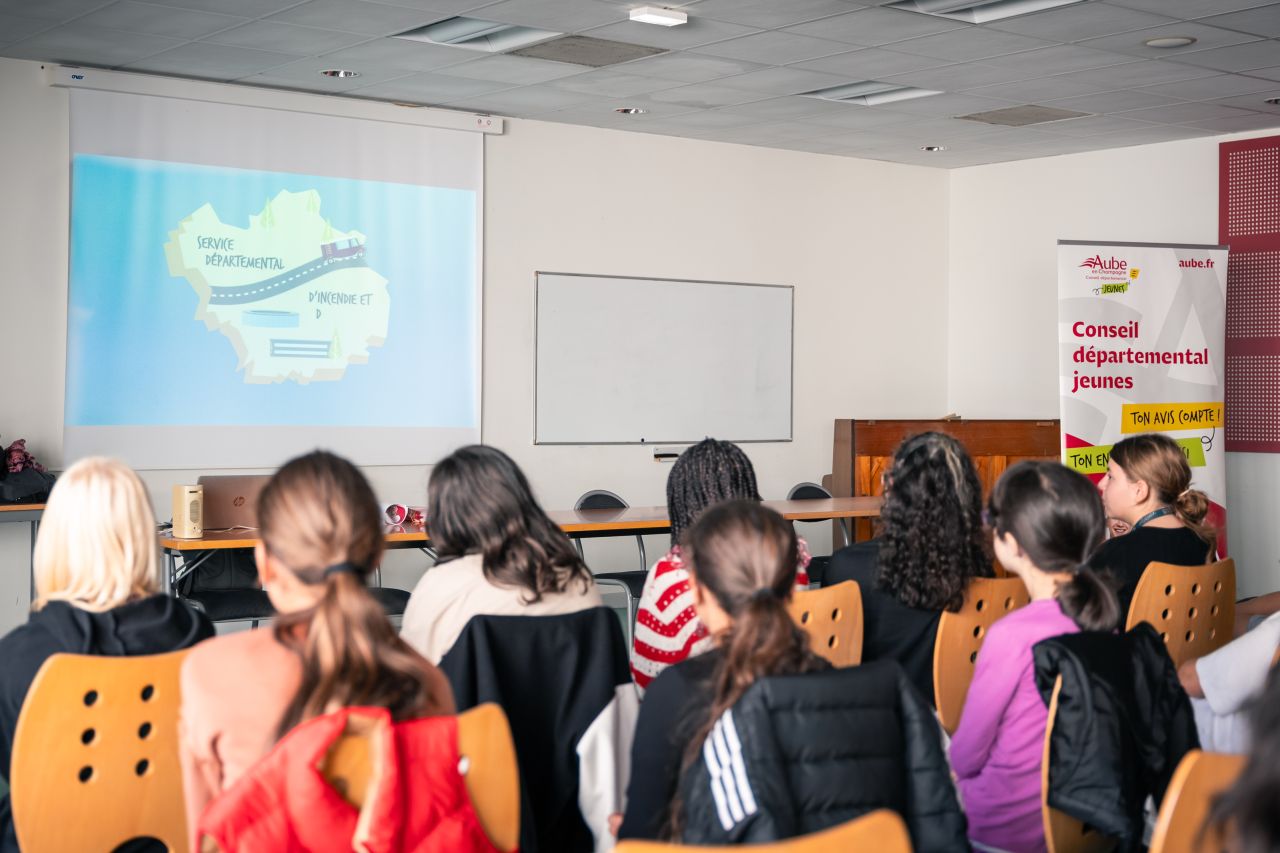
(858, 239)
(1003, 347)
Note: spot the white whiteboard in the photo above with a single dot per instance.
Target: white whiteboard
(639, 360)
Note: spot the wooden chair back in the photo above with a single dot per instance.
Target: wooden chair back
(1192, 607)
(1062, 832)
(1200, 777)
(960, 636)
(832, 617)
(486, 750)
(99, 735)
(882, 831)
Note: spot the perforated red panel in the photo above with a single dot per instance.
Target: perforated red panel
(1249, 221)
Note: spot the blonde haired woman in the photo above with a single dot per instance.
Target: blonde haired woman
(97, 584)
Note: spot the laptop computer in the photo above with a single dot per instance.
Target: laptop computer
(231, 500)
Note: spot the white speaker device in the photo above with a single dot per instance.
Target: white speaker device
(188, 512)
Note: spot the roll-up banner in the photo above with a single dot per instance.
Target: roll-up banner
(1141, 334)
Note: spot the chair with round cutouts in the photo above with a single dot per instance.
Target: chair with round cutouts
(832, 617)
(1193, 608)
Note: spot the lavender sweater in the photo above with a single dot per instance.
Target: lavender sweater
(998, 747)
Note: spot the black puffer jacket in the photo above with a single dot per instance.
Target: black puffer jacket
(1124, 722)
(801, 753)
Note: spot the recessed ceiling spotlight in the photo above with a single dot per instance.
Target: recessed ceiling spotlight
(631, 111)
(1275, 102)
(340, 73)
(1166, 42)
(658, 15)
(933, 148)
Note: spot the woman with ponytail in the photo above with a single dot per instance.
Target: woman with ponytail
(331, 646)
(741, 558)
(1045, 521)
(1148, 487)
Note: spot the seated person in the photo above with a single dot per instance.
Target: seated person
(97, 574)
(667, 627)
(1222, 684)
(1148, 487)
(931, 543)
(740, 568)
(331, 646)
(1246, 813)
(1046, 519)
(499, 554)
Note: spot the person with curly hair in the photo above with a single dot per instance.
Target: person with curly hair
(931, 543)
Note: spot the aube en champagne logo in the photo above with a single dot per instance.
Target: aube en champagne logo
(1112, 264)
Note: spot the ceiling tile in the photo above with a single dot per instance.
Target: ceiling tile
(859, 118)
(690, 67)
(706, 95)
(1059, 59)
(954, 78)
(305, 74)
(1038, 90)
(969, 44)
(709, 119)
(1189, 8)
(286, 38)
(54, 11)
(1217, 86)
(1256, 102)
(875, 27)
(1155, 133)
(15, 28)
(608, 83)
(1132, 43)
(1092, 126)
(524, 101)
(159, 20)
(769, 14)
(775, 109)
(398, 53)
(213, 61)
(1112, 102)
(774, 48)
(566, 16)
(1145, 72)
(240, 8)
(76, 44)
(1184, 113)
(515, 70)
(1080, 21)
(429, 88)
(698, 31)
(1266, 73)
(356, 16)
(1240, 57)
(1238, 124)
(870, 64)
(1263, 21)
(782, 81)
(444, 7)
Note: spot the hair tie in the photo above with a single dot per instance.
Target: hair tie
(764, 593)
(344, 568)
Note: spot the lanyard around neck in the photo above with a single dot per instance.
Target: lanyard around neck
(1154, 514)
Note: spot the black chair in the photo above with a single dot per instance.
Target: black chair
(631, 583)
(814, 492)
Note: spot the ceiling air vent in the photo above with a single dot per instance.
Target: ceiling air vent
(979, 11)
(1023, 116)
(585, 50)
(870, 93)
(475, 34)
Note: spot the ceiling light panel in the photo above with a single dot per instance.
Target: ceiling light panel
(659, 16)
(477, 34)
(979, 11)
(870, 93)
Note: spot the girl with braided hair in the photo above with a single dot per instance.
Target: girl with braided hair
(667, 627)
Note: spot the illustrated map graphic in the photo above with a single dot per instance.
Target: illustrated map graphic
(295, 298)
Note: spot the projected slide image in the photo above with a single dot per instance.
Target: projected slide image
(296, 299)
(212, 295)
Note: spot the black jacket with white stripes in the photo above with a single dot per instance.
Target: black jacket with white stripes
(801, 753)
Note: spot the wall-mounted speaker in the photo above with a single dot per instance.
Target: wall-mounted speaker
(188, 512)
